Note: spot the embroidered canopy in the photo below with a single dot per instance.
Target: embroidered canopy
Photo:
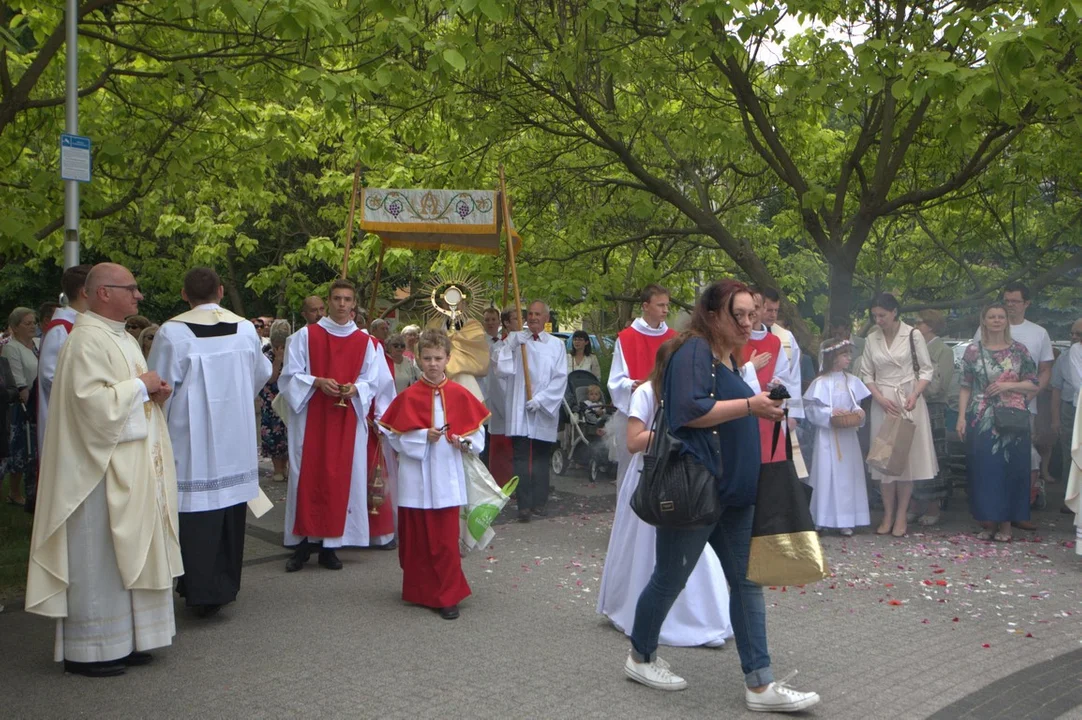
(458, 220)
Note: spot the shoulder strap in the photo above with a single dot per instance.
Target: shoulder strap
(913, 354)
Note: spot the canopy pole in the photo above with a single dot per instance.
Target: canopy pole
(517, 315)
(352, 214)
(375, 283)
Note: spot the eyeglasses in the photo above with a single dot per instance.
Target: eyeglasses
(133, 326)
(398, 345)
(130, 288)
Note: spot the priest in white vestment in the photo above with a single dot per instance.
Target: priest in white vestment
(330, 378)
(632, 362)
(533, 419)
(55, 334)
(105, 546)
(1074, 483)
(214, 361)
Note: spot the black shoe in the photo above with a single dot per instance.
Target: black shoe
(94, 669)
(1066, 510)
(524, 516)
(392, 544)
(299, 558)
(207, 611)
(449, 613)
(329, 560)
(136, 659)
(540, 512)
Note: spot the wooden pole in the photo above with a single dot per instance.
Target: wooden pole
(352, 214)
(375, 284)
(517, 324)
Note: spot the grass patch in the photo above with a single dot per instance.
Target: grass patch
(15, 526)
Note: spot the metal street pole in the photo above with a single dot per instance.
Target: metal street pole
(71, 126)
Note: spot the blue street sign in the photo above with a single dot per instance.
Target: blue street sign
(75, 158)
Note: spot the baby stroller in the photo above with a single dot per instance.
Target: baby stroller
(578, 439)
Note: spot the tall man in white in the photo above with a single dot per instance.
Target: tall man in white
(632, 363)
(105, 549)
(214, 361)
(330, 378)
(1016, 298)
(532, 420)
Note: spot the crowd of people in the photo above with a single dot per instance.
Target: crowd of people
(369, 428)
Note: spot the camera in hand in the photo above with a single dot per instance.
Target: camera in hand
(779, 392)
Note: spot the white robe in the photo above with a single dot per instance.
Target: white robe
(430, 475)
(548, 381)
(620, 390)
(791, 379)
(494, 388)
(1073, 499)
(840, 497)
(297, 384)
(700, 615)
(47, 355)
(215, 384)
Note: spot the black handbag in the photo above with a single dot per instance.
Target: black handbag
(785, 548)
(675, 490)
(1006, 420)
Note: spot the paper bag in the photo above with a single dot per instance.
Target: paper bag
(889, 453)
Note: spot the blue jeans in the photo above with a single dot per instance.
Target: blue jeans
(677, 553)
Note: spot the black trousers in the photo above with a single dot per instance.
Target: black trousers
(531, 463)
(212, 547)
(484, 453)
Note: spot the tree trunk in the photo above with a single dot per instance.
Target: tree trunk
(840, 298)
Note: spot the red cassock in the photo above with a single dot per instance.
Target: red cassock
(769, 344)
(329, 436)
(640, 351)
(428, 539)
(380, 522)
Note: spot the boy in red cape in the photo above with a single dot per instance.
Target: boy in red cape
(430, 424)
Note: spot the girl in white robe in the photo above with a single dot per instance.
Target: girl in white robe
(700, 615)
(840, 497)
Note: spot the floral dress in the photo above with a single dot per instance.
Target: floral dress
(997, 465)
(272, 431)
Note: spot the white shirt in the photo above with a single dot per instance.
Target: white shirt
(546, 357)
(1065, 377)
(1037, 342)
(211, 422)
(791, 379)
(494, 388)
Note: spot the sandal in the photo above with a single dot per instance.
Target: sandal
(1002, 537)
(985, 535)
(928, 520)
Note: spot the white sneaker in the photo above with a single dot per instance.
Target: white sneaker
(846, 532)
(654, 674)
(779, 697)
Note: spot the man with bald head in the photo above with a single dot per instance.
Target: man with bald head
(380, 329)
(105, 547)
(532, 417)
(312, 309)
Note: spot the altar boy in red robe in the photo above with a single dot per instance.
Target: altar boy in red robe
(430, 425)
(763, 354)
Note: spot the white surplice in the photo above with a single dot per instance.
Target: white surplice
(840, 497)
(620, 390)
(215, 384)
(494, 388)
(547, 361)
(47, 355)
(297, 384)
(1073, 498)
(791, 377)
(430, 474)
(700, 615)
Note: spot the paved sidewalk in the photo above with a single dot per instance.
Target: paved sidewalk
(904, 629)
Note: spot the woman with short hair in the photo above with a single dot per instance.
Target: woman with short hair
(406, 371)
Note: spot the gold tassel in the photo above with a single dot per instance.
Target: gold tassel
(787, 559)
